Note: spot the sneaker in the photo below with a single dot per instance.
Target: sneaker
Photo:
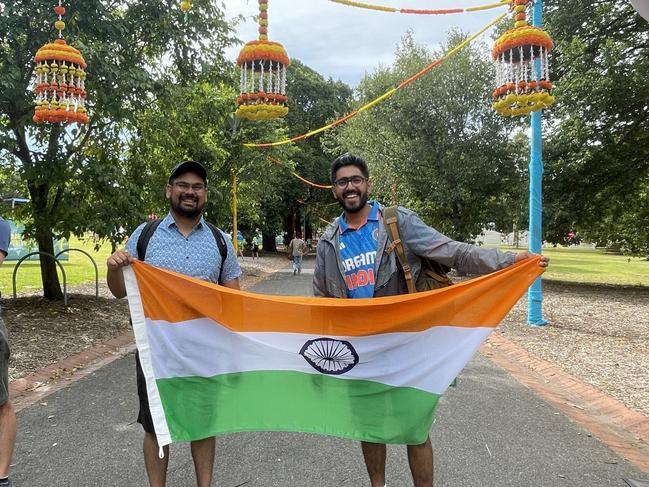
(5, 482)
(294, 272)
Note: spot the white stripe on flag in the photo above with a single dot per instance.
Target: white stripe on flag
(427, 360)
(140, 331)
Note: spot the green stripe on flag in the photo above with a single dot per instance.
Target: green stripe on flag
(199, 407)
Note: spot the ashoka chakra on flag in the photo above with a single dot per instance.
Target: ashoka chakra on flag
(329, 356)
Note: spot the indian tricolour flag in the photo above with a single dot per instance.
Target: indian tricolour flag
(218, 360)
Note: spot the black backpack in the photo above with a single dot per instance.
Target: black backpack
(150, 228)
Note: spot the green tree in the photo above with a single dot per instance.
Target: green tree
(78, 178)
(197, 121)
(314, 102)
(288, 202)
(597, 156)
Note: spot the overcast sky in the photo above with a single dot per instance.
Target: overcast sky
(344, 42)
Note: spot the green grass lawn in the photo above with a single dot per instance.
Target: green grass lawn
(585, 265)
(78, 268)
(566, 264)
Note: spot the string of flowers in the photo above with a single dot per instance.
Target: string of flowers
(384, 96)
(297, 176)
(443, 11)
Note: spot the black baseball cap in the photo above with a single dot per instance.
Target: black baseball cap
(188, 166)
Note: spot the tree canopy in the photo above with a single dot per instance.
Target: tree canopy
(313, 102)
(597, 155)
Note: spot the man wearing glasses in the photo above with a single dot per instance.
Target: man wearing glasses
(352, 262)
(182, 242)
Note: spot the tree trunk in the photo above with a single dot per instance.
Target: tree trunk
(51, 284)
(516, 236)
(43, 229)
(43, 211)
(308, 228)
(269, 244)
(294, 223)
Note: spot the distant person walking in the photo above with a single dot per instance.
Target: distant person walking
(7, 413)
(256, 244)
(240, 244)
(296, 249)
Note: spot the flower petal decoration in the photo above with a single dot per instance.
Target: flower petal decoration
(60, 80)
(262, 80)
(522, 67)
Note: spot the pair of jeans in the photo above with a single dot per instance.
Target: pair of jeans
(297, 264)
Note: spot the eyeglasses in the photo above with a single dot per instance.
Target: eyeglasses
(355, 180)
(183, 186)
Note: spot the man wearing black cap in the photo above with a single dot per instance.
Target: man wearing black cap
(182, 242)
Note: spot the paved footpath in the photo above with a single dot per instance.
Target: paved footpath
(491, 431)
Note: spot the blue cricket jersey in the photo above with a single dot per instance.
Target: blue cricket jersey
(358, 254)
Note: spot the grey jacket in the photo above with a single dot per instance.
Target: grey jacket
(420, 240)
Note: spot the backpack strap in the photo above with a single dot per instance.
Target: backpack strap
(143, 241)
(391, 222)
(220, 242)
(150, 228)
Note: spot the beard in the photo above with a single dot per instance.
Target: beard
(353, 207)
(189, 212)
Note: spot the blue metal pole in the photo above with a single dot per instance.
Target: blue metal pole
(535, 293)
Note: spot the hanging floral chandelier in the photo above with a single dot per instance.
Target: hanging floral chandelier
(60, 80)
(522, 67)
(263, 66)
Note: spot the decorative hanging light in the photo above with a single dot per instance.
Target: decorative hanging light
(60, 80)
(186, 5)
(522, 67)
(263, 66)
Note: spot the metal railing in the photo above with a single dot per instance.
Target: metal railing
(91, 260)
(22, 259)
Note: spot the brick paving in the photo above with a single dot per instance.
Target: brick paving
(624, 430)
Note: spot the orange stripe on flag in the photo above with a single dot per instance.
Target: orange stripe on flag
(483, 301)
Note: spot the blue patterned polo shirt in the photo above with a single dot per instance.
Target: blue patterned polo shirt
(196, 255)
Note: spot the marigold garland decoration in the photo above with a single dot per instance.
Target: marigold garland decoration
(60, 80)
(418, 11)
(186, 6)
(297, 176)
(522, 67)
(263, 66)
